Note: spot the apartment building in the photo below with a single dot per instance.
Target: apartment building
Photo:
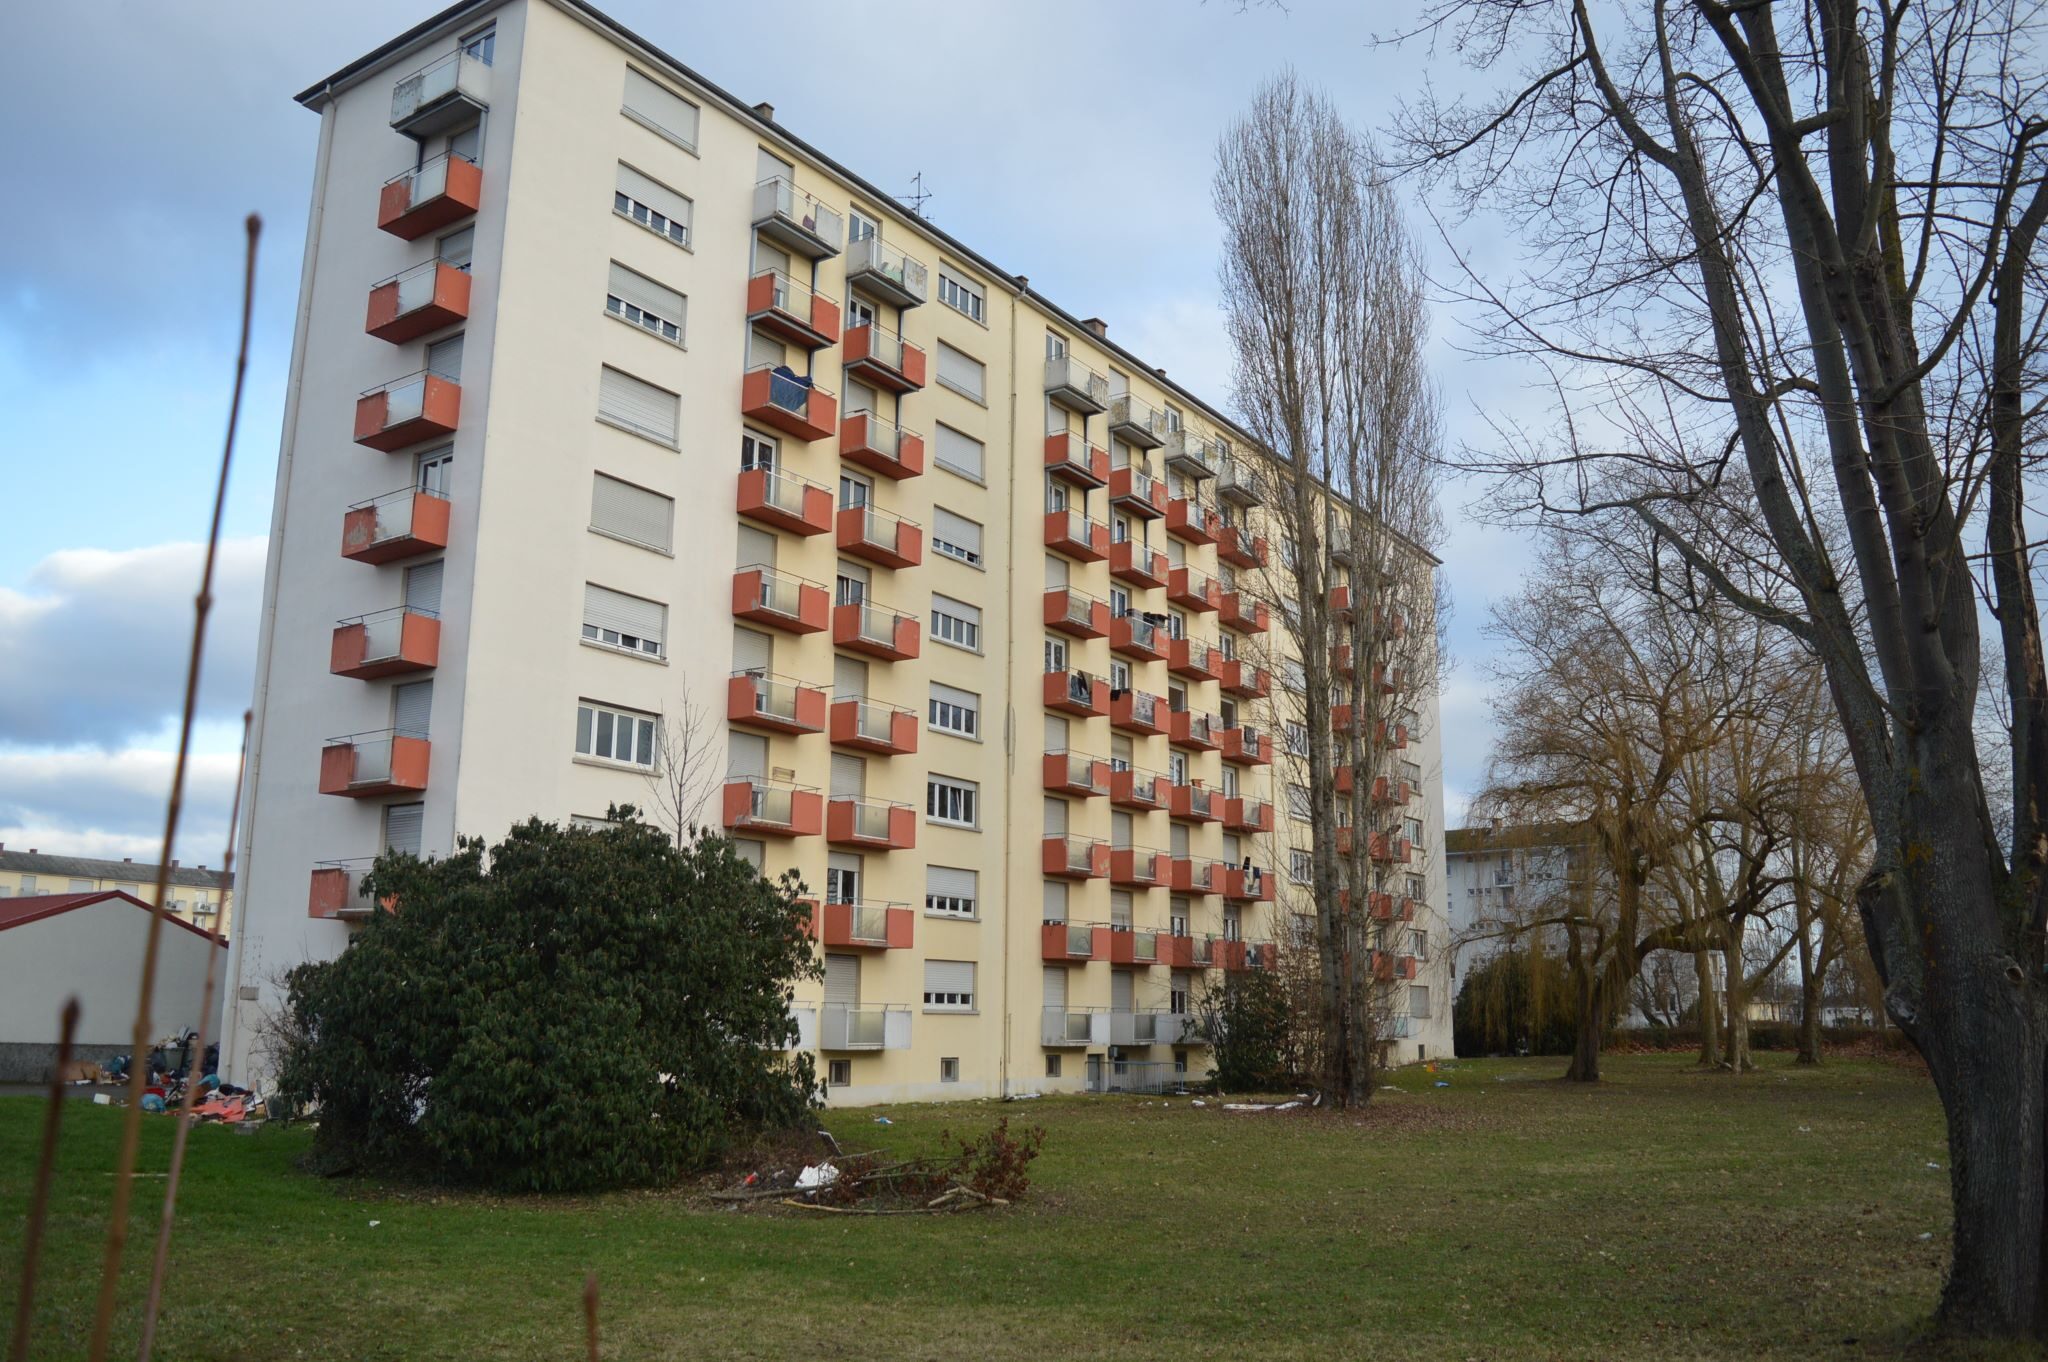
(632, 411)
(196, 895)
(1499, 876)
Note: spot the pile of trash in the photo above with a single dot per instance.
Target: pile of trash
(169, 1070)
(986, 1172)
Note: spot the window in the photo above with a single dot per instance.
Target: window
(1411, 828)
(842, 879)
(960, 295)
(1055, 654)
(457, 248)
(949, 1071)
(955, 711)
(482, 44)
(617, 620)
(80, 887)
(961, 372)
(1297, 739)
(615, 735)
(1052, 1066)
(1418, 945)
(949, 985)
(655, 308)
(956, 536)
(956, 623)
(652, 204)
(634, 405)
(1301, 866)
(839, 1073)
(947, 800)
(402, 827)
(859, 226)
(756, 451)
(959, 453)
(631, 513)
(952, 892)
(28, 884)
(583, 822)
(1297, 801)
(1418, 1000)
(660, 112)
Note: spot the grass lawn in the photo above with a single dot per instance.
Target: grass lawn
(1667, 1214)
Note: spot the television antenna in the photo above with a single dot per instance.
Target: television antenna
(917, 196)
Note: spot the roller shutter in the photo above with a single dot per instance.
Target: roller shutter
(639, 406)
(632, 513)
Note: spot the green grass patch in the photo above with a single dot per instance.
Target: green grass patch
(1666, 1214)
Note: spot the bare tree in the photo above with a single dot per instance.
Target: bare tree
(686, 769)
(1322, 292)
(1762, 229)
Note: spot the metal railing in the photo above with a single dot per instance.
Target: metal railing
(415, 286)
(1079, 853)
(882, 528)
(1144, 633)
(384, 631)
(1066, 372)
(391, 514)
(1198, 798)
(428, 180)
(868, 922)
(870, 817)
(878, 623)
(790, 394)
(405, 399)
(372, 764)
(1144, 707)
(1080, 937)
(885, 347)
(774, 804)
(1136, 1076)
(1080, 769)
(775, 697)
(1080, 686)
(1080, 609)
(1078, 527)
(1133, 1028)
(875, 723)
(1064, 1026)
(848, 1026)
(1195, 454)
(781, 594)
(1143, 484)
(776, 197)
(788, 295)
(883, 436)
(1139, 416)
(1201, 728)
(870, 256)
(458, 71)
(784, 491)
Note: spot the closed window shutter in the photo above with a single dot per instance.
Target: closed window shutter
(1056, 574)
(849, 776)
(1055, 901)
(842, 979)
(746, 756)
(961, 453)
(444, 359)
(962, 371)
(752, 651)
(756, 548)
(412, 706)
(1180, 981)
(654, 194)
(1120, 991)
(1055, 817)
(1120, 830)
(849, 678)
(670, 115)
(1120, 907)
(1056, 988)
(423, 588)
(1178, 841)
(949, 976)
(645, 294)
(637, 405)
(622, 614)
(948, 881)
(956, 530)
(632, 513)
(402, 824)
(1056, 731)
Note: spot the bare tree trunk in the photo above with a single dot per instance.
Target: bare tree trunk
(1737, 985)
(1709, 1009)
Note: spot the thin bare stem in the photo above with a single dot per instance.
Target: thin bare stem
(39, 1199)
(590, 1315)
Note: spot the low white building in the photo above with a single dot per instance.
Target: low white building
(54, 947)
(1496, 875)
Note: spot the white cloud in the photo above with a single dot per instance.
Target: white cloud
(89, 802)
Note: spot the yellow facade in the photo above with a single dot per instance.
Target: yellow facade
(196, 893)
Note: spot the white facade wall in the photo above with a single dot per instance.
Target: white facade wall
(95, 952)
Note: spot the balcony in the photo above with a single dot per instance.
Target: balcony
(1139, 790)
(775, 396)
(1194, 803)
(880, 446)
(1340, 602)
(1071, 532)
(1246, 746)
(438, 194)
(1138, 638)
(1137, 711)
(1391, 790)
(1076, 693)
(870, 824)
(865, 726)
(395, 526)
(1194, 589)
(336, 890)
(1182, 952)
(1390, 849)
(408, 410)
(794, 220)
(1247, 885)
(387, 643)
(1134, 1028)
(408, 306)
(1239, 547)
(874, 534)
(1137, 492)
(1072, 460)
(1193, 729)
(441, 96)
(1138, 868)
(785, 501)
(1387, 966)
(1190, 455)
(366, 765)
(883, 359)
(1244, 814)
(775, 703)
(1071, 612)
(1075, 858)
(1238, 484)
(864, 926)
(844, 1026)
(1240, 611)
(1192, 521)
(1071, 773)
(1194, 658)
(1137, 422)
(790, 311)
(1073, 385)
(1191, 876)
(772, 808)
(1133, 561)
(1386, 907)
(877, 631)
(887, 273)
(1242, 955)
(1062, 1029)
(1245, 679)
(1073, 941)
(780, 601)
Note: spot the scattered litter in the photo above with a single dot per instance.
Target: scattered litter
(1200, 1103)
(884, 1121)
(375, 1223)
(1440, 1083)
(815, 1176)
(1260, 1106)
(1022, 1096)
(100, 1099)
(1806, 1130)
(1926, 1234)
(152, 1101)
(1932, 1164)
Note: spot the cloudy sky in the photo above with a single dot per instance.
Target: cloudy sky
(157, 127)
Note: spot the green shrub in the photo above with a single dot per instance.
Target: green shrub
(1515, 1003)
(574, 1009)
(1250, 1034)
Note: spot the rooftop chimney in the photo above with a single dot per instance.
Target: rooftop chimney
(174, 864)
(127, 860)
(1023, 281)
(1098, 326)
(1160, 372)
(766, 110)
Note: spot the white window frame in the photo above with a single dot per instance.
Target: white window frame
(958, 632)
(963, 296)
(951, 802)
(640, 318)
(586, 735)
(945, 715)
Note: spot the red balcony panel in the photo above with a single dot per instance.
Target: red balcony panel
(1137, 492)
(1070, 458)
(1391, 790)
(1240, 547)
(1192, 522)
(785, 501)
(883, 359)
(1341, 719)
(1247, 746)
(1193, 588)
(1194, 803)
(1190, 876)
(1075, 535)
(879, 537)
(1193, 658)
(1388, 966)
(786, 603)
(1077, 693)
(865, 726)
(870, 824)
(806, 413)
(1189, 728)
(1389, 849)
(1073, 941)
(1392, 679)
(880, 446)
(407, 411)
(864, 926)
(870, 629)
(1137, 790)
(1075, 858)
(1340, 601)
(1247, 886)
(1138, 868)
(389, 643)
(1345, 779)
(1137, 711)
(332, 892)
(1070, 612)
(1181, 952)
(417, 302)
(1134, 562)
(1137, 638)
(1244, 614)
(443, 191)
(789, 311)
(1128, 947)
(775, 704)
(1248, 682)
(1244, 814)
(368, 766)
(391, 529)
(763, 808)
(1074, 774)
(1393, 736)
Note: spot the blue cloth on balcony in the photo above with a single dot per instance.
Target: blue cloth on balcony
(788, 389)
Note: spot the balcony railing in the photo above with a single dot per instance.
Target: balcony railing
(875, 926)
(441, 95)
(386, 643)
(1071, 532)
(788, 310)
(1136, 636)
(883, 270)
(755, 804)
(1076, 857)
(1070, 458)
(864, 627)
(425, 298)
(784, 500)
(884, 359)
(1192, 520)
(795, 219)
(845, 1026)
(1238, 546)
(1076, 693)
(880, 446)
(1193, 588)
(886, 730)
(875, 534)
(383, 762)
(335, 890)
(766, 596)
(1137, 421)
(776, 396)
(1071, 612)
(1192, 728)
(407, 411)
(1073, 385)
(436, 194)
(1190, 455)
(1194, 803)
(1074, 1027)
(1236, 482)
(1138, 492)
(1134, 1028)
(1133, 561)
(1137, 711)
(395, 526)
(1073, 941)
(872, 823)
(779, 703)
